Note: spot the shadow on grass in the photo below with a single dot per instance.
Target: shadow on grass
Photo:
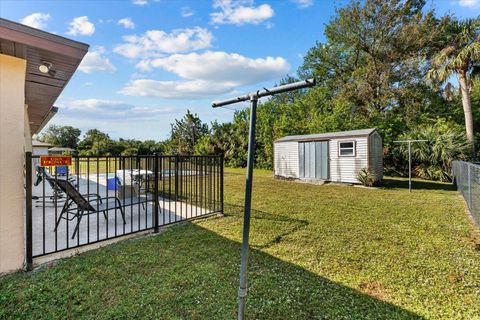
(187, 272)
(281, 226)
(417, 184)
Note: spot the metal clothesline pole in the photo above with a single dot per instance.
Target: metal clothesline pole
(409, 142)
(253, 98)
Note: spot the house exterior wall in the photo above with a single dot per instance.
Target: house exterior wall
(376, 155)
(345, 168)
(286, 159)
(13, 132)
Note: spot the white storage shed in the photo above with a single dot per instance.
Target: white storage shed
(335, 156)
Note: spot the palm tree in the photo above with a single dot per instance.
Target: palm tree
(459, 57)
(433, 159)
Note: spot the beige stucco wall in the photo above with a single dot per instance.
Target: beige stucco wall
(12, 146)
(26, 131)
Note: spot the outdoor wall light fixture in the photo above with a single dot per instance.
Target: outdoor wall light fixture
(47, 68)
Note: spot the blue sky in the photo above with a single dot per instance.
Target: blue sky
(151, 60)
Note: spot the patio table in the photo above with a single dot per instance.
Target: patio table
(133, 179)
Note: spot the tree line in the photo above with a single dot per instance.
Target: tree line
(185, 137)
(392, 65)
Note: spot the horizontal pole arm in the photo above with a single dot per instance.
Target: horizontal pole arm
(402, 141)
(267, 92)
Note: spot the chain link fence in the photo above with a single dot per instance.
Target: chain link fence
(466, 176)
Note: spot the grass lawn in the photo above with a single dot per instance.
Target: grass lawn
(318, 252)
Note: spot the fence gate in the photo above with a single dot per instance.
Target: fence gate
(100, 198)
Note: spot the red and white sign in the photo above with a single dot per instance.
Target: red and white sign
(53, 161)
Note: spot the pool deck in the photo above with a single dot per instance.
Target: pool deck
(95, 227)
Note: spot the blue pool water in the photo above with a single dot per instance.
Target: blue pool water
(112, 174)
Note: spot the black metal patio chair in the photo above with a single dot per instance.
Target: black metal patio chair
(58, 195)
(78, 205)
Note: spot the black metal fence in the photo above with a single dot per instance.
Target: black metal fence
(466, 176)
(100, 198)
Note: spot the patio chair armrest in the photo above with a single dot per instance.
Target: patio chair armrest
(111, 197)
(90, 195)
(117, 200)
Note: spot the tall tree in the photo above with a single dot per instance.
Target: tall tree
(150, 147)
(460, 56)
(229, 139)
(96, 142)
(186, 132)
(62, 136)
(375, 54)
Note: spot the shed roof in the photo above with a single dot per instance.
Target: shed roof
(36, 143)
(328, 135)
(61, 149)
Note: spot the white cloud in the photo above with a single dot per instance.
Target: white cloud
(218, 66)
(36, 20)
(81, 26)
(95, 61)
(240, 12)
(140, 2)
(469, 3)
(205, 75)
(190, 89)
(186, 12)
(303, 3)
(110, 109)
(156, 42)
(127, 23)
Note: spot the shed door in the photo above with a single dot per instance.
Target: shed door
(313, 159)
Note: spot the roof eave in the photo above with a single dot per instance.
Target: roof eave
(21, 33)
(28, 38)
(53, 111)
(328, 136)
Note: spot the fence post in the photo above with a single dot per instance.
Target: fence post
(28, 210)
(77, 165)
(469, 187)
(176, 178)
(221, 183)
(155, 166)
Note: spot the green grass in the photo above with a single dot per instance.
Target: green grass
(318, 252)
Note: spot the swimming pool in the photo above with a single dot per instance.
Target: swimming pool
(119, 175)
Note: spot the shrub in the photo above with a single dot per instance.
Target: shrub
(433, 158)
(366, 177)
(431, 172)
